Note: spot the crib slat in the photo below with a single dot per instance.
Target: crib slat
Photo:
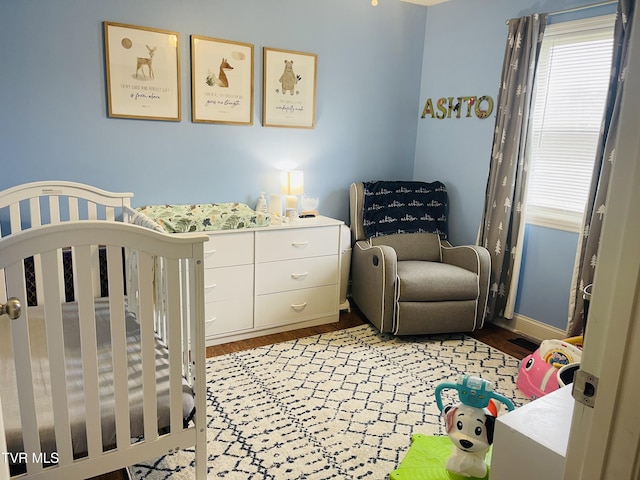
(160, 304)
(3, 288)
(15, 218)
(22, 356)
(82, 269)
(110, 213)
(4, 465)
(198, 372)
(172, 295)
(92, 214)
(147, 341)
(186, 314)
(74, 210)
(54, 209)
(92, 210)
(36, 221)
(51, 263)
(118, 347)
(34, 211)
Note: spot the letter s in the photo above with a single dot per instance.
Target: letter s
(442, 107)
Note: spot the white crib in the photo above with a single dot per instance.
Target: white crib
(104, 366)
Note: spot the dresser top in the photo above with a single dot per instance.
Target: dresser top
(281, 224)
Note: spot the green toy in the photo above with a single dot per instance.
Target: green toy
(426, 458)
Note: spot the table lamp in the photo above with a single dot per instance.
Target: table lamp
(292, 185)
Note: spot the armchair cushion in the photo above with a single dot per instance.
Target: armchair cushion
(445, 282)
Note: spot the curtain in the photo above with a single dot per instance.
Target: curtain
(587, 255)
(502, 221)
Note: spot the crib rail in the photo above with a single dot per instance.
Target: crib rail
(164, 277)
(39, 203)
(32, 205)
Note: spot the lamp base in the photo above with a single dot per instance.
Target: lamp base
(291, 201)
(308, 213)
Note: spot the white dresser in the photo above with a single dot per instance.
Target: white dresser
(266, 280)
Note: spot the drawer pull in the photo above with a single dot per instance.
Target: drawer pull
(297, 276)
(209, 287)
(299, 244)
(211, 320)
(299, 307)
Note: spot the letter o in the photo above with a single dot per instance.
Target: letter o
(481, 113)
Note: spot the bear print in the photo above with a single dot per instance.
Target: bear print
(288, 79)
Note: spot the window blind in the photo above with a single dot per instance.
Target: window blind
(570, 92)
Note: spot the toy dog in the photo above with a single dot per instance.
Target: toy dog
(471, 431)
(470, 424)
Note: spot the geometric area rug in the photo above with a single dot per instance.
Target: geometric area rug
(340, 405)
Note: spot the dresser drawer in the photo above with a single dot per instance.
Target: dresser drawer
(296, 243)
(228, 283)
(228, 316)
(285, 275)
(225, 249)
(296, 305)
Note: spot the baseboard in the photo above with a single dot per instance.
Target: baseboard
(268, 330)
(530, 328)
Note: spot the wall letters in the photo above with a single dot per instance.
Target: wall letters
(446, 108)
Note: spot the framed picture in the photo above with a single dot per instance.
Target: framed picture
(289, 89)
(143, 72)
(221, 81)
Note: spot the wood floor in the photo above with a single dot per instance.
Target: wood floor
(491, 335)
(497, 337)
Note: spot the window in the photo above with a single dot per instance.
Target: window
(571, 89)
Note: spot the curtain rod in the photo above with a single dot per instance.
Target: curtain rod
(577, 9)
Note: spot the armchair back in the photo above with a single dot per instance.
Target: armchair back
(392, 207)
(412, 246)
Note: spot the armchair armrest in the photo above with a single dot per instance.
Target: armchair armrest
(373, 287)
(478, 260)
(469, 257)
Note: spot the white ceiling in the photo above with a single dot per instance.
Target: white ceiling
(426, 3)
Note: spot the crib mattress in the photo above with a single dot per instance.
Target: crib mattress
(205, 217)
(42, 386)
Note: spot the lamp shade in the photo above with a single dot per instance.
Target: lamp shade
(292, 183)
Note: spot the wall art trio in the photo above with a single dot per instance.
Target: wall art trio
(143, 79)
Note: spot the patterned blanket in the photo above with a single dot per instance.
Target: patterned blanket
(405, 207)
(204, 217)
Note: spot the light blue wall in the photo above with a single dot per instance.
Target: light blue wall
(545, 276)
(53, 99)
(464, 48)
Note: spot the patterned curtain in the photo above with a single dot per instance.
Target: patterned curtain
(502, 221)
(587, 257)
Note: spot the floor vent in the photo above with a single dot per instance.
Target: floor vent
(524, 343)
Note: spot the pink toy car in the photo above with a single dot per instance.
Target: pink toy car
(539, 372)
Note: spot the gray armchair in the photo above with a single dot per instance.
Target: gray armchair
(414, 283)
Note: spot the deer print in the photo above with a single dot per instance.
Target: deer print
(221, 80)
(146, 61)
